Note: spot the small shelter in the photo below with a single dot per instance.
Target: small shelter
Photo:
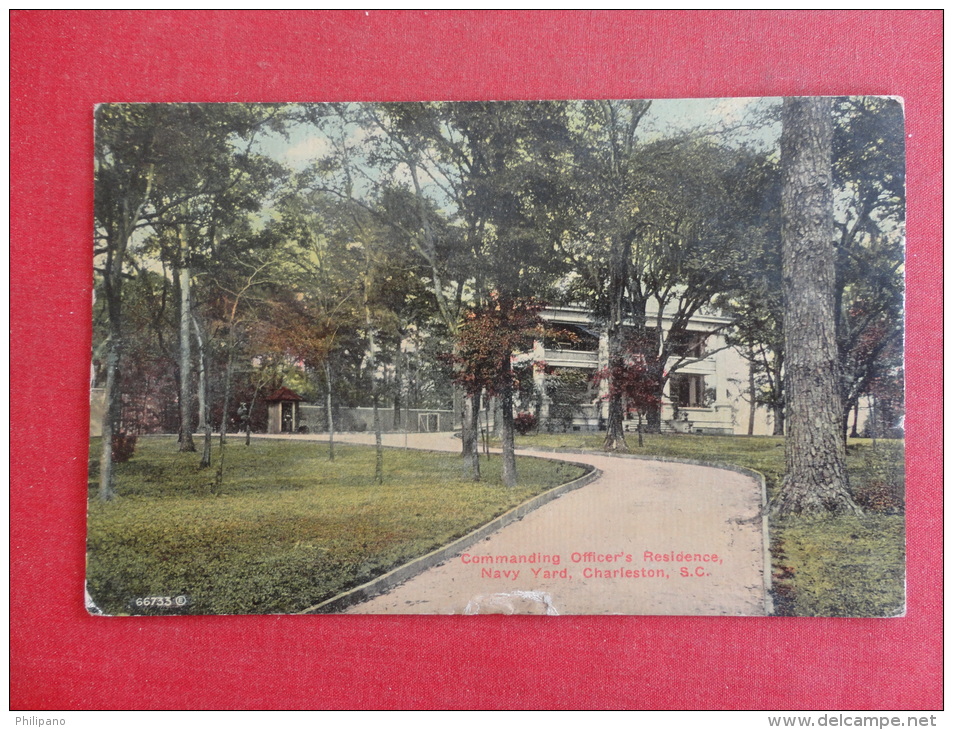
(283, 411)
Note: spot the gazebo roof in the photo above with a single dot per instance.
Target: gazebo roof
(283, 394)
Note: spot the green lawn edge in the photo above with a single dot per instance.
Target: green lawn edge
(415, 567)
(163, 539)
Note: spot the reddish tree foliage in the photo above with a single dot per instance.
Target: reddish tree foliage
(482, 361)
(524, 423)
(488, 338)
(632, 379)
(297, 330)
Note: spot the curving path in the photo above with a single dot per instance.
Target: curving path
(585, 552)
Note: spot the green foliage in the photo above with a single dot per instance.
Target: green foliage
(880, 482)
(868, 175)
(287, 529)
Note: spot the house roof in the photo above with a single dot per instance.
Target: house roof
(283, 394)
(578, 315)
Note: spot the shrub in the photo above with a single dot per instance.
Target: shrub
(124, 446)
(524, 423)
(879, 483)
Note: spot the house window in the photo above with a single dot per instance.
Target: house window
(688, 391)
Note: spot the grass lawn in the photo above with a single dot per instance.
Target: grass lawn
(287, 529)
(840, 566)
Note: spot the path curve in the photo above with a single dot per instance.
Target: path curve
(647, 537)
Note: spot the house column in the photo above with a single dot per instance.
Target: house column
(667, 411)
(539, 381)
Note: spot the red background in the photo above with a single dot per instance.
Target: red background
(62, 63)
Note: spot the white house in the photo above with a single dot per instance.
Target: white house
(706, 395)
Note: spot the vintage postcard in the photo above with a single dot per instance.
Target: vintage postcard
(536, 357)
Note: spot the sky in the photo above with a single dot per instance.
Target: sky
(666, 116)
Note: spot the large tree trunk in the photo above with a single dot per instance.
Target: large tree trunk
(112, 284)
(398, 389)
(118, 241)
(653, 419)
(853, 428)
(470, 432)
(845, 421)
(618, 275)
(653, 413)
(251, 409)
(226, 404)
(815, 481)
(206, 460)
(203, 387)
(378, 439)
(778, 411)
(185, 348)
(774, 370)
(375, 385)
(615, 433)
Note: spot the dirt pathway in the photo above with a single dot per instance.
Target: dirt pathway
(648, 537)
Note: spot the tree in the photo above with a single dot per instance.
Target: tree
(757, 334)
(506, 157)
(147, 377)
(868, 181)
(229, 312)
(632, 382)
(869, 176)
(215, 182)
(816, 476)
(699, 223)
(607, 174)
(321, 317)
(160, 172)
(756, 305)
(662, 223)
(239, 290)
(458, 184)
(124, 166)
(488, 339)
